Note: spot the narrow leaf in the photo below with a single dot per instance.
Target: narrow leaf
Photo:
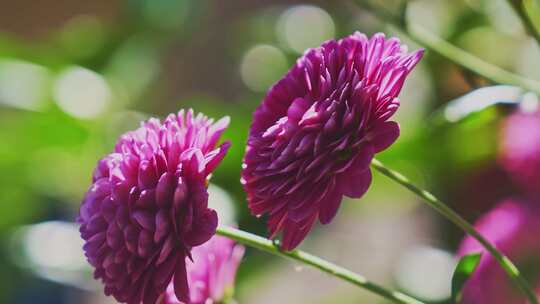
(465, 267)
(481, 99)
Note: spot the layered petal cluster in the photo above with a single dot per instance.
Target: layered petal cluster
(148, 206)
(520, 150)
(212, 273)
(316, 131)
(513, 226)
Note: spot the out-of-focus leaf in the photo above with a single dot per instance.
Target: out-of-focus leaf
(44, 54)
(465, 267)
(532, 8)
(478, 100)
(23, 85)
(133, 66)
(51, 161)
(163, 14)
(52, 250)
(474, 140)
(83, 37)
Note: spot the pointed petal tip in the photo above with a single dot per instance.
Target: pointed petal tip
(181, 287)
(224, 121)
(225, 145)
(329, 208)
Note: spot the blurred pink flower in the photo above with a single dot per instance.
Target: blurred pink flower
(520, 150)
(212, 273)
(316, 131)
(513, 227)
(147, 206)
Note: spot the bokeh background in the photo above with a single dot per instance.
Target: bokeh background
(76, 74)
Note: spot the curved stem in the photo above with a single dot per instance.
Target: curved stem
(447, 50)
(267, 245)
(455, 218)
(521, 11)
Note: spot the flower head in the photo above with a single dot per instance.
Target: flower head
(315, 133)
(513, 227)
(520, 150)
(211, 274)
(147, 206)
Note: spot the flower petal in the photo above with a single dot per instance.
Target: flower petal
(203, 229)
(355, 186)
(383, 135)
(329, 207)
(294, 233)
(181, 287)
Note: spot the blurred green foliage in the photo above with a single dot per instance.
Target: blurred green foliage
(156, 57)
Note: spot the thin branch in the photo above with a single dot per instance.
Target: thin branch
(511, 269)
(521, 11)
(447, 50)
(267, 245)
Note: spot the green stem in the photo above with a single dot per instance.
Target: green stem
(521, 11)
(455, 218)
(267, 245)
(447, 50)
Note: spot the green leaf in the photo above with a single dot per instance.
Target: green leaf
(477, 101)
(465, 267)
(532, 9)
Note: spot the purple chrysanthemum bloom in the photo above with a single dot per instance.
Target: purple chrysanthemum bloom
(315, 133)
(147, 206)
(520, 150)
(212, 273)
(513, 227)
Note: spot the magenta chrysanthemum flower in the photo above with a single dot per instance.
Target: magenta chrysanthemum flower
(513, 227)
(520, 150)
(211, 275)
(147, 206)
(315, 133)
